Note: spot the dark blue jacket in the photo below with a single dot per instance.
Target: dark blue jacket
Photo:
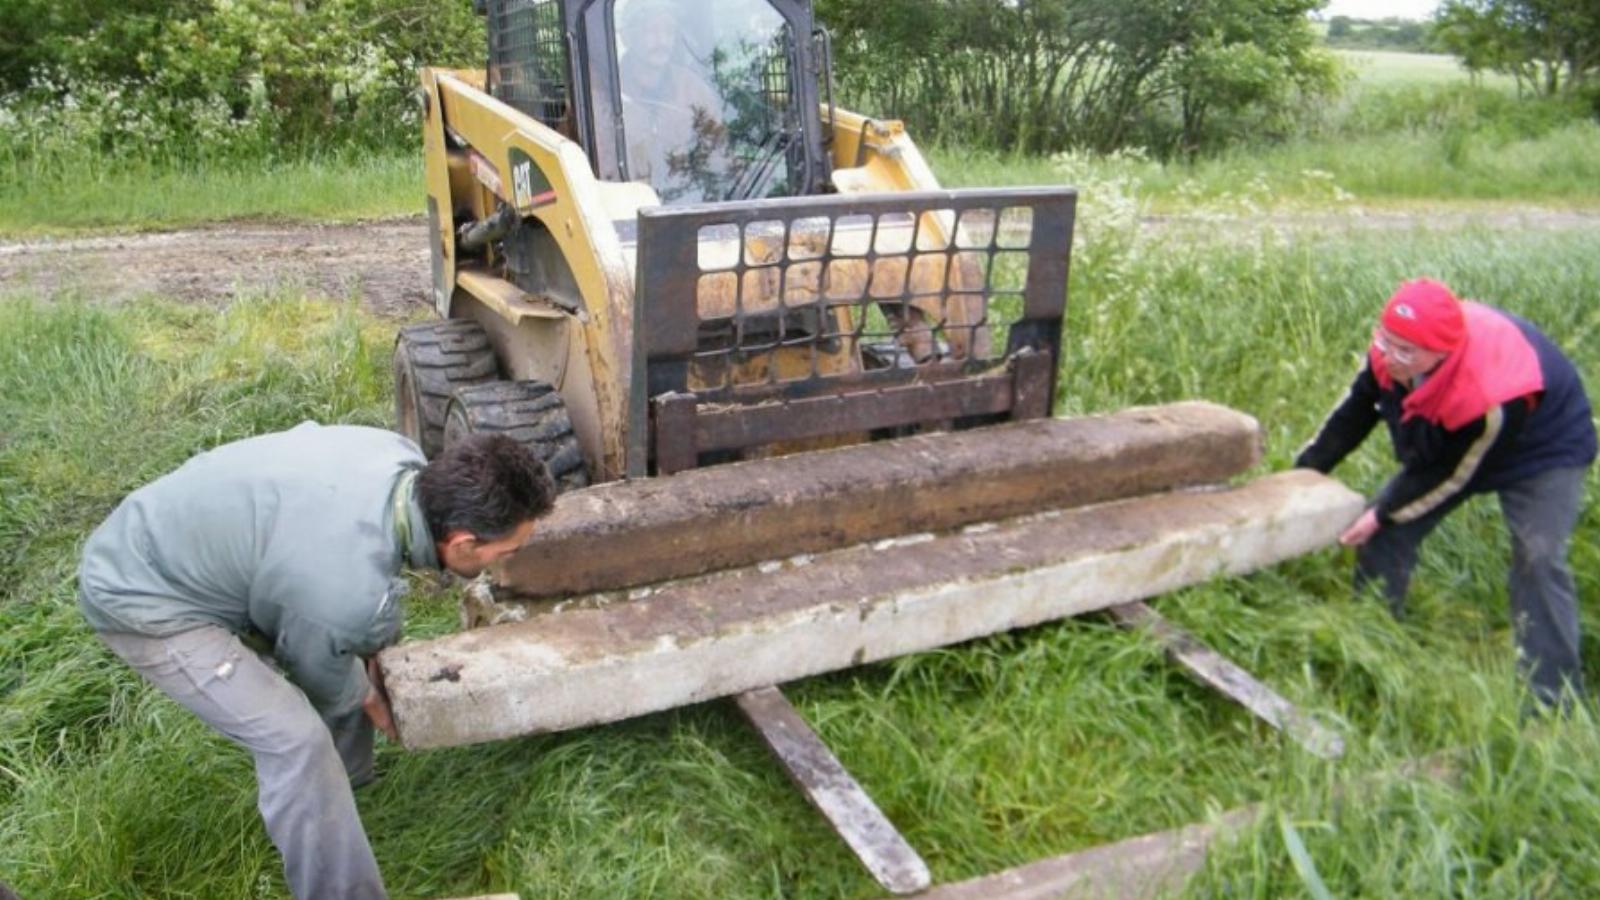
(1520, 438)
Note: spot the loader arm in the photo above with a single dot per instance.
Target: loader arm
(481, 154)
(874, 154)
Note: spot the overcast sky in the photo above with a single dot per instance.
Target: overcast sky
(1378, 9)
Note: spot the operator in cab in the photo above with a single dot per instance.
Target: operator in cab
(673, 116)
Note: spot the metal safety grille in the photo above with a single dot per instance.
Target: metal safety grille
(528, 59)
(764, 125)
(783, 123)
(819, 296)
(814, 298)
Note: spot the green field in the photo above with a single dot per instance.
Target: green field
(987, 755)
(1391, 68)
(77, 195)
(1554, 164)
(1455, 167)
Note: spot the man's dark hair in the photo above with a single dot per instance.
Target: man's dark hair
(485, 484)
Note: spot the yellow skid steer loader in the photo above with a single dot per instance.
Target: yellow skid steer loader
(655, 246)
(810, 389)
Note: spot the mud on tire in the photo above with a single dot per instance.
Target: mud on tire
(432, 361)
(529, 412)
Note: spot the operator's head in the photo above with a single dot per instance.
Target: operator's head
(1421, 325)
(650, 32)
(481, 496)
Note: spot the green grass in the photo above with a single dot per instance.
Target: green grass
(1558, 167)
(987, 755)
(1453, 166)
(1400, 141)
(76, 195)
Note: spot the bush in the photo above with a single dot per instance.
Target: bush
(1078, 74)
(188, 81)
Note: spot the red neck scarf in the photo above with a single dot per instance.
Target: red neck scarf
(1494, 363)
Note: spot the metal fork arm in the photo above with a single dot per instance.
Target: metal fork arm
(840, 799)
(1216, 671)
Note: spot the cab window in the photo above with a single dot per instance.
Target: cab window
(706, 96)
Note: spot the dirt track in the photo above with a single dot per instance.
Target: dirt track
(386, 263)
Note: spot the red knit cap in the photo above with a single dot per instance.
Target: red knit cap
(1425, 313)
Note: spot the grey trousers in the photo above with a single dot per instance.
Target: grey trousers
(304, 765)
(1540, 512)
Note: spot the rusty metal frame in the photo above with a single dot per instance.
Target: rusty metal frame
(671, 425)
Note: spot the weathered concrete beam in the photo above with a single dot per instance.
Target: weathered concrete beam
(721, 634)
(630, 533)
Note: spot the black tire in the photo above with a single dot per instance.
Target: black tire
(431, 361)
(530, 412)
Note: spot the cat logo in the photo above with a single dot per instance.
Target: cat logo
(529, 188)
(522, 183)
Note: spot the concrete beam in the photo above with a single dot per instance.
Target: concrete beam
(725, 633)
(629, 533)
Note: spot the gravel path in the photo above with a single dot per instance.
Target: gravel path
(385, 263)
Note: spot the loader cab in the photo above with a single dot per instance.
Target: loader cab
(703, 100)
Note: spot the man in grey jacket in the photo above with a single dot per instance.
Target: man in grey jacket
(294, 541)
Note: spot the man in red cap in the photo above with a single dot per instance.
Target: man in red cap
(1476, 400)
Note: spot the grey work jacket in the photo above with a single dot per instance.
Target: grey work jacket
(289, 535)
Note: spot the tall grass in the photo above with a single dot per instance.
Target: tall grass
(1386, 143)
(1559, 169)
(1275, 327)
(987, 755)
(1384, 146)
(79, 194)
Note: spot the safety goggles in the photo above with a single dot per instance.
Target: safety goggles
(1405, 356)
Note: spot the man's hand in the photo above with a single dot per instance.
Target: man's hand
(376, 703)
(1362, 531)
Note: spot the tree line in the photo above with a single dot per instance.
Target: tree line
(260, 75)
(1407, 35)
(1550, 47)
(287, 76)
(1044, 75)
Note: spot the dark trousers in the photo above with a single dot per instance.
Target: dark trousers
(1540, 512)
